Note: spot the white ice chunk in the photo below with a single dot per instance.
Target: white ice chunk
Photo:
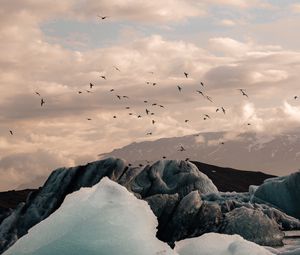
(219, 244)
(104, 220)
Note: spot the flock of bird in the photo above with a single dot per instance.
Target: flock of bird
(149, 113)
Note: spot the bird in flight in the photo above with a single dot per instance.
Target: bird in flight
(114, 116)
(91, 85)
(119, 97)
(11, 132)
(186, 75)
(153, 122)
(207, 116)
(296, 97)
(164, 157)
(145, 101)
(103, 77)
(209, 99)
(217, 109)
(79, 92)
(88, 91)
(125, 97)
(179, 88)
(154, 83)
(202, 84)
(117, 69)
(182, 148)
(149, 133)
(89, 119)
(161, 106)
(200, 92)
(243, 92)
(147, 111)
(223, 110)
(127, 107)
(42, 102)
(112, 90)
(38, 93)
(222, 143)
(103, 17)
(186, 121)
(154, 104)
(139, 116)
(187, 159)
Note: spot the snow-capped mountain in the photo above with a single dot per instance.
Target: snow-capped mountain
(278, 155)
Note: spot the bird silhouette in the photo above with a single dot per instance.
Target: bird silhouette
(112, 90)
(103, 77)
(207, 116)
(222, 143)
(118, 97)
(186, 75)
(147, 111)
(102, 17)
(217, 109)
(153, 122)
(187, 159)
(223, 110)
(140, 165)
(154, 83)
(117, 69)
(145, 101)
(127, 107)
(179, 88)
(295, 97)
(79, 92)
(200, 92)
(209, 99)
(202, 84)
(154, 104)
(243, 92)
(88, 91)
(89, 119)
(139, 116)
(152, 113)
(164, 157)
(114, 116)
(186, 121)
(91, 85)
(182, 148)
(125, 97)
(42, 102)
(11, 132)
(161, 106)
(130, 113)
(38, 93)
(149, 133)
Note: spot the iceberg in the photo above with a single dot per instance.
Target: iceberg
(219, 244)
(104, 219)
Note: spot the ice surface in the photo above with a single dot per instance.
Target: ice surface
(281, 192)
(104, 219)
(219, 244)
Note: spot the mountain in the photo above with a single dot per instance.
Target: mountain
(276, 155)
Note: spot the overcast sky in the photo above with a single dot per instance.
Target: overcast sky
(58, 47)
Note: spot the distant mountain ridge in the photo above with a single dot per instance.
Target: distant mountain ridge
(276, 155)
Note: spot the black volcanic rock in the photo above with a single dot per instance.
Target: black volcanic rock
(229, 179)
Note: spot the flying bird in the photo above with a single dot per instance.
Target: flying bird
(89, 119)
(118, 97)
(243, 92)
(187, 159)
(209, 99)
(154, 104)
(295, 97)
(117, 69)
(149, 133)
(112, 90)
(186, 121)
(147, 111)
(217, 109)
(103, 17)
(222, 143)
(202, 84)
(79, 92)
(164, 157)
(186, 75)
(145, 101)
(200, 92)
(154, 83)
(91, 85)
(207, 116)
(161, 106)
(139, 116)
(153, 122)
(38, 93)
(114, 116)
(127, 107)
(125, 97)
(88, 91)
(42, 102)
(223, 110)
(182, 148)
(103, 77)
(179, 88)
(11, 132)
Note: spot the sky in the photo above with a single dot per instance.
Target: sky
(57, 48)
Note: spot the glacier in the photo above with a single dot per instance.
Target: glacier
(104, 219)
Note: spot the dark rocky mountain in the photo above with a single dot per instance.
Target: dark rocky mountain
(184, 199)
